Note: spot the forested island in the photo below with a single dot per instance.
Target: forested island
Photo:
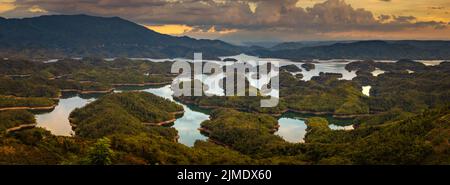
(405, 120)
(38, 85)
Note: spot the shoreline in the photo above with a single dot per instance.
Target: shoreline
(279, 114)
(343, 116)
(141, 84)
(21, 127)
(162, 123)
(29, 108)
(88, 92)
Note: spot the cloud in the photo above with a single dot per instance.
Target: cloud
(436, 7)
(6, 5)
(37, 9)
(280, 16)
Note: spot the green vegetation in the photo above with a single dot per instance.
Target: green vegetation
(308, 66)
(122, 113)
(316, 127)
(395, 114)
(36, 79)
(243, 103)
(38, 147)
(420, 139)
(291, 68)
(426, 87)
(325, 95)
(27, 87)
(406, 120)
(13, 102)
(14, 118)
(245, 132)
(99, 36)
(411, 92)
(100, 153)
(34, 84)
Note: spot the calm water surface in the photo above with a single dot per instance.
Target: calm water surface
(57, 121)
(292, 128)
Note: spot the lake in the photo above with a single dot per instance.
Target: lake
(292, 126)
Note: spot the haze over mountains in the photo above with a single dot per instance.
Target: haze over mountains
(59, 36)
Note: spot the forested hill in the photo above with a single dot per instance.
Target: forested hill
(83, 35)
(390, 50)
(58, 36)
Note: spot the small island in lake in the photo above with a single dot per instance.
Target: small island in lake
(123, 113)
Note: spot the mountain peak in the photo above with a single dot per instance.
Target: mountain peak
(80, 35)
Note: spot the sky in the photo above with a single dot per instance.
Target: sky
(239, 21)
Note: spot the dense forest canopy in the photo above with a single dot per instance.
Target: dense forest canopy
(122, 113)
(405, 120)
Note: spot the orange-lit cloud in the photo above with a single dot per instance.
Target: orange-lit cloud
(282, 19)
(6, 5)
(172, 29)
(179, 29)
(424, 10)
(226, 31)
(36, 9)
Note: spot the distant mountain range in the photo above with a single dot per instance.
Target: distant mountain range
(359, 50)
(57, 36)
(82, 35)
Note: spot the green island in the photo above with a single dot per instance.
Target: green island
(32, 103)
(405, 120)
(321, 95)
(243, 103)
(88, 90)
(123, 113)
(308, 66)
(419, 139)
(13, 120)
(291, 68)
(36, 85)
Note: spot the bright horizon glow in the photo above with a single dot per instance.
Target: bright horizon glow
(256, 21)
(7, 5)
(171, 29)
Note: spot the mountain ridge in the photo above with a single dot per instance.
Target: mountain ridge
(80, 35)
(370, 49)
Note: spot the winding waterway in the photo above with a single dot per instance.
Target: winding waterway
(292, 126)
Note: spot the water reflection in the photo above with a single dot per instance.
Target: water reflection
(340, 127)
(366, 90)
(329, 67)
(292, 130)
(293, 126)
(377, 72)
(57, 121)
(187, 125)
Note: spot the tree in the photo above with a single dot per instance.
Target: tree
(101, 153)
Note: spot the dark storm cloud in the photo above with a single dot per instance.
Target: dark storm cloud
(276, 15)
